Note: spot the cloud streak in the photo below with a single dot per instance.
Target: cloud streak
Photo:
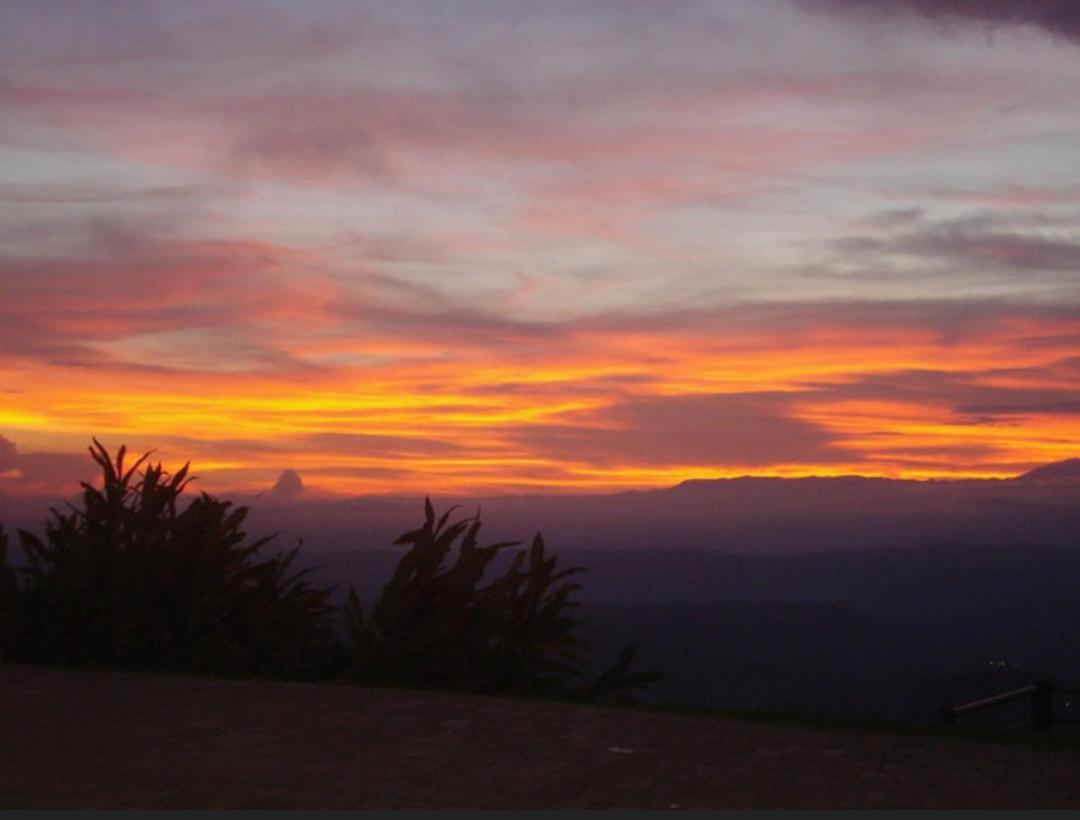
(973, 248)
(1060, 18)
(851, 388)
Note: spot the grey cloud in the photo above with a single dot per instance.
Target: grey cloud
(973, 400)
(746, 429)
(1060, 18)
(1021, 407)
(41, 473)
(383, 446)
(999, 249)
(974, 246)
(952, 320)
(8, 454)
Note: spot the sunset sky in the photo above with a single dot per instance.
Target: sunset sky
(539, 246)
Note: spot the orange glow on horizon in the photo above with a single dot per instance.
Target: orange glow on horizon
(479, 422)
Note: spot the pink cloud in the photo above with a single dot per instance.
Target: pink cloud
(118, 285)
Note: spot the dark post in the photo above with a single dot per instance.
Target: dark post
(1042, 707)
(947, 715)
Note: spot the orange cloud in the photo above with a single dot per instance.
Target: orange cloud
(600, 405)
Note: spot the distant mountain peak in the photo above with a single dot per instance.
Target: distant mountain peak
(288, 485)
(1066, 472)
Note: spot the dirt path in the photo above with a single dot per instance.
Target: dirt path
(95, 739)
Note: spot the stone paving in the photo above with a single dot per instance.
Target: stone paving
(102, 739)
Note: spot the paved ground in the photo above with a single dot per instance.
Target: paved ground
(98, 739)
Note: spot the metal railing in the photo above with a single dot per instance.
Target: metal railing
(1042, 717)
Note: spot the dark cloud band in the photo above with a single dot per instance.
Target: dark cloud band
(1057, 17)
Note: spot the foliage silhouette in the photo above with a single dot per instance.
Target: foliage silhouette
(436, 623)
(9, 591)
(134, 580)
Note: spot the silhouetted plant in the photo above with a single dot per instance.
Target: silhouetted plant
(133, 579)
(9, 591)
(437, 623)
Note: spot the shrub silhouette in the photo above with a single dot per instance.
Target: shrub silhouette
(436, 623)
(9, 591)
(134, 580)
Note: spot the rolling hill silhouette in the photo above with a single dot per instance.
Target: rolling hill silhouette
(761, 516)
(1064, 471)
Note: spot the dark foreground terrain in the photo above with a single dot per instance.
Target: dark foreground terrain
(860, 634)
(101, 739)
